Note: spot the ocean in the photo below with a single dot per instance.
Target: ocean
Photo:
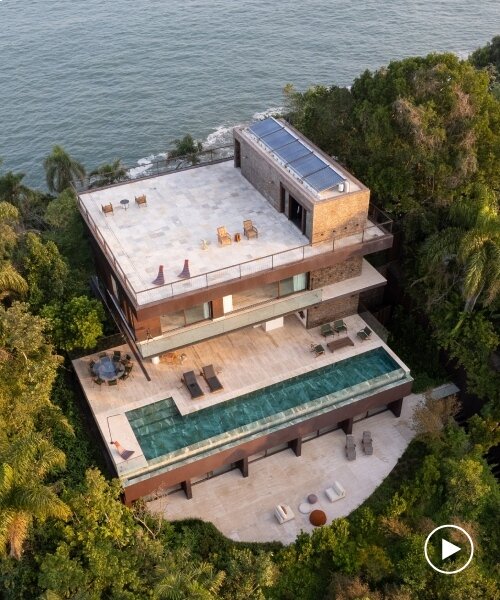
(123, 79)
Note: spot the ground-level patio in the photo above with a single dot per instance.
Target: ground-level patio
(243, 508)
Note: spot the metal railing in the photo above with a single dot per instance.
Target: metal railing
(381, 228)
(153, 169)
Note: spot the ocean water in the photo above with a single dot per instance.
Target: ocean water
(123, 79)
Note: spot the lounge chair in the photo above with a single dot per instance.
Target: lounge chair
(350, 447)
(107, 208)
(211, 378)
(125, 454)
(339, 326)
(141, 200)
(317, 349)
(367, 442)
(190, 381)
(249, 229)
(364, 333)
(326, 330)
(283, 513)
(223, 236)
(336, 492)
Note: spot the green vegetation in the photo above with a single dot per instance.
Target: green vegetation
(187, 148)
(424, 134)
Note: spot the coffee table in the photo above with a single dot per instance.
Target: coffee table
(317, 518)
(125, 203)
(312, 498)
(305, 508)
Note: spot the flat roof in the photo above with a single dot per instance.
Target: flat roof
(183, 208)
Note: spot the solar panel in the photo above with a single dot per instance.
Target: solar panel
(324, 179)
(307, 164)
(278, 139)
(293, 151)
(265, 127)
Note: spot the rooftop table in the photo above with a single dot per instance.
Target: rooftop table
(107, 369)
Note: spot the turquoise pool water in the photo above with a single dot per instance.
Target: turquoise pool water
(161, 429)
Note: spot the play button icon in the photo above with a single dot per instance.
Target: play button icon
(447, 549)
(436, 539)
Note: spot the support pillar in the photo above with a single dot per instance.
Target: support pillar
(296, 446)
(243, 466)
(395, 407)
(186, 486)
(347, 426)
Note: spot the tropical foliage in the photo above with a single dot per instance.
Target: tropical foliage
(423, 133)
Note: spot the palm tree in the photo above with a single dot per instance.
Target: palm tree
(466, 254)
(61, 170)
(108, 173)
(23, 496)
(186, 148)
(11, 281)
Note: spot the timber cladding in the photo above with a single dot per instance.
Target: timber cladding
(155, 483)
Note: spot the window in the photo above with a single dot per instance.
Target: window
(294, 284)
(255, 296)
(188, 316)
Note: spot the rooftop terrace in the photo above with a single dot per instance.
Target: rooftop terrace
(183, 208)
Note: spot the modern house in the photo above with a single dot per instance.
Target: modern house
(260, 250)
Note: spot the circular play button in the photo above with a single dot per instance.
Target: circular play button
(439, 549)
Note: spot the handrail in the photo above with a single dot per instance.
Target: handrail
(154, 168)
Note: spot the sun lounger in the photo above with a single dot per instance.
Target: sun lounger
(190, 381)
(211, 378)
(336, 492)
(283, 513)
(365, 333)
(350, 447)
(367, 442)
(125, 454)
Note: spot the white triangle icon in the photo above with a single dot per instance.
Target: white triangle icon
(447, 549)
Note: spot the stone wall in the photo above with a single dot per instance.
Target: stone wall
(331, 310)
(349, 268)
(341, 216)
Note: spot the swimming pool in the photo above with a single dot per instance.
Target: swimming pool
(161, 430)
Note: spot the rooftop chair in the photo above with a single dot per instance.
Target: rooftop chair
(339, 326)
(249, 229)
(107, 208)
(190, 381)
(326, 330)
(350, 447)
(336, 492)
(364, 333)
(317, 349)
(223, 236)
(367, 442)
(141, 200)
(211, 378)
(283, 513)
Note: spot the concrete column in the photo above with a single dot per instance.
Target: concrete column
(186, 486)
(243, 466)
(347, 426)
(296, 446)
(395, 407)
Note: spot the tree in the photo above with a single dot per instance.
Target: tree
(76, 323)
(108, 173)
(24, 466)
(188, 148)
(46, 271)
(61, 170)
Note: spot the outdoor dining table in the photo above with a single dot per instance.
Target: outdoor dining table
(107, 369)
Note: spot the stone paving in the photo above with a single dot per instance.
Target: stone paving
(243, 508)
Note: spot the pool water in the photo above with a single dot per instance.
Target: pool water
(161, 429)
